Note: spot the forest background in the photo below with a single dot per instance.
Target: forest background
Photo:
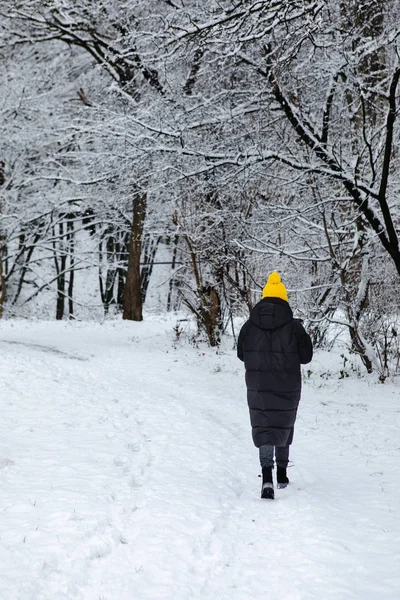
(190, 147)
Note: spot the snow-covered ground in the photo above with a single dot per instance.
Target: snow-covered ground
(127, 472)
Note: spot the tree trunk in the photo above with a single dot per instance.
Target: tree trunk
(121, 252)
(2, 276)
(133, 306)
(71, 247)
(172, 280)
(359, 347)
(149, 256)
(60, 270)
(208, 311)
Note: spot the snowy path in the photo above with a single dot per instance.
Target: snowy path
(127, 472)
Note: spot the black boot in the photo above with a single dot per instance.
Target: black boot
(267, 489)
(281, 477)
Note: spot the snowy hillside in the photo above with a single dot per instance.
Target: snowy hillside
(127, 472)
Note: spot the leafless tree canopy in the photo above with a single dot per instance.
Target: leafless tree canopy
(212, 141)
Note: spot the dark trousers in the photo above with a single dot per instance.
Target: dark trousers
(267, 456)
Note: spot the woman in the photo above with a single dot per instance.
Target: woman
(273, 345)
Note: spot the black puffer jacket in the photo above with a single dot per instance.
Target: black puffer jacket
(272, 345)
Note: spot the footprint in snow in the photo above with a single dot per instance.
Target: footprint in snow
(6, 462)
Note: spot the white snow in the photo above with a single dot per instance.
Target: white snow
(127, 472)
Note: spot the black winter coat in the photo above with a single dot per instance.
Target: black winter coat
(272, 345)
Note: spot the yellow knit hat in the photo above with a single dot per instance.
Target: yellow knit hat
(274, 287)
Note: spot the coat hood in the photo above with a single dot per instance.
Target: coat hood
(271, 313)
